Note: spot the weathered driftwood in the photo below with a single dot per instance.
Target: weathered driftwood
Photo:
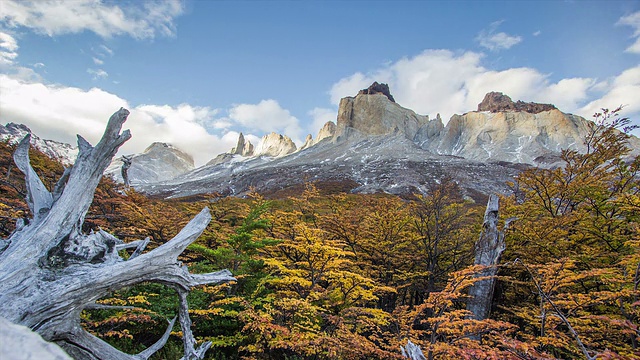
(488, 250)
(124, 171)
(412, 351)
(50, 271)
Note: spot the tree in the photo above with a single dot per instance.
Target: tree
(576, 233)
(50, 271)
(444, 227)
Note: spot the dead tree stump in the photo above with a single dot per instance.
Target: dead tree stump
(50, 271)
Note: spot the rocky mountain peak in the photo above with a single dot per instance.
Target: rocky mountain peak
(166, 150)
(377, 88)
(368, 114)
(327, 131)
(308, 142)
(498, 102)
(239, 146)
(275, 145)
(243, 147)
(159, 162)
(15, 128)
(65, 153)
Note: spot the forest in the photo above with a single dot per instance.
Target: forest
(323, 274)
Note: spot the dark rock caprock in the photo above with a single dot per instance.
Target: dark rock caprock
(497, 102)
(377, 88)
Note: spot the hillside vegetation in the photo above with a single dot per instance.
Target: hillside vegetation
(329, 275)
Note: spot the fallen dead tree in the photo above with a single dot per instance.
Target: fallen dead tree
(50, 271)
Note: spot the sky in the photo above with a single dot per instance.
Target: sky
(195, 73)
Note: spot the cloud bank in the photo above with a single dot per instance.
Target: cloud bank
(446, 82)
(266, 116)
(51, 111)
(107, 19)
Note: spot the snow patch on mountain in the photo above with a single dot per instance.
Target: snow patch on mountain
(62, 152)
(159, 162)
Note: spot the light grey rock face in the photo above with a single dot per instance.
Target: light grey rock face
(243, 147)
(380, 146)
(275, 145)
(429, 132)
(18, 342)
(159, 162)
(308, 142)
(62, 152)
(514, 136)
(368, 164)
(376, 115)
(327, 131)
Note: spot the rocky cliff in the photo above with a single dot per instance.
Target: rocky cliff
(514, 136)
(374, 113)
(377, 88)
(243, 147)
(498, 102)
(275, 145)
(326, 132)
(62, 152)
(159, 162)
(501, 129)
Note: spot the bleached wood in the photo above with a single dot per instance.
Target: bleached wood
(39, 198)
(488, 250)
(50, 271)
(412, 351)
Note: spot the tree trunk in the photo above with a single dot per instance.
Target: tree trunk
(487, 253)
(412, 351)
(50, 271)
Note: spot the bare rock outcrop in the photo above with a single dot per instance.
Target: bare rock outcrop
(159, 162)
(374, 113)
(327, 131)
(429, 131)
(308, 142)
(498, 102)
(275, 145)
(62, 152)
(243, 147)
(377, 88)
(514, 136)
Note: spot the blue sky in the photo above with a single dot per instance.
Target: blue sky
(195, 73)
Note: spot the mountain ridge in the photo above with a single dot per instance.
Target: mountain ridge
(378, 145)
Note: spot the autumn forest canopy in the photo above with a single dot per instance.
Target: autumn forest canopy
(328, 275)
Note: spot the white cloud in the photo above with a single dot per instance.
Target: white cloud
(107, 19)
(537, 33)
(98, 74)
(97, 61)
(8, 49)
(494, 41)
(58, 113)
(350, 86)
(180, 126)
(441, 81)
(632, 20)
(106, 50)
(623, 89)
(266, 116)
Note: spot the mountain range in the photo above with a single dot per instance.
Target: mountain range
(375, 145)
